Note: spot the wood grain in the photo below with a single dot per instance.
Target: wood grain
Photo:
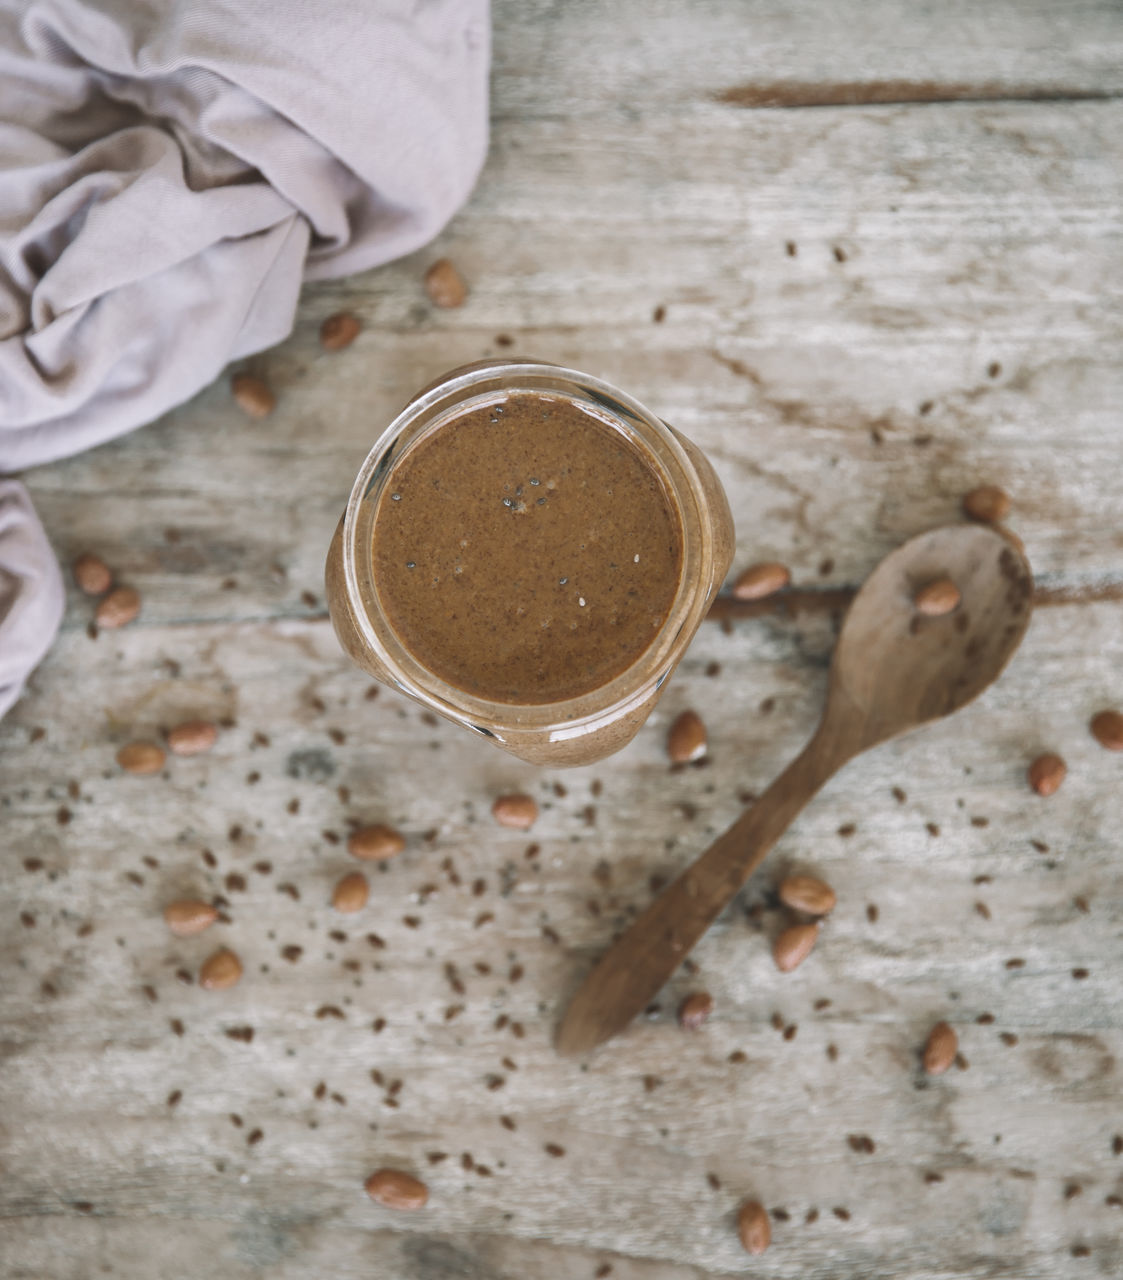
(867, 310)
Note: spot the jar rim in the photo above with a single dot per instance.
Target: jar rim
(605, 702)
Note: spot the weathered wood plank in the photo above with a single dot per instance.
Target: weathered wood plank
(93, 1064)
(970, 333)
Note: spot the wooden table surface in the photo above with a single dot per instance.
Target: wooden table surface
(885, 238)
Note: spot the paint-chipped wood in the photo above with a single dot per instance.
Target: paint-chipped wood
(860, 311)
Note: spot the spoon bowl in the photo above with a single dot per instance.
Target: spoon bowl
(894, 669)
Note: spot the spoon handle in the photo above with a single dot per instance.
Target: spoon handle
(655, 944)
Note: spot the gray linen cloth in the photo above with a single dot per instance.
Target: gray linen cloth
(170, 172)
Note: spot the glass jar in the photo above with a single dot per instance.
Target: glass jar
(600, 720)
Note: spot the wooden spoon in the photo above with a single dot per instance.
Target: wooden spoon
(893, 669)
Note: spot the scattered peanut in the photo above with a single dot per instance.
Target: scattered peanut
(141, 757)
(515, 811)
(1047, 773)
(339, 331)
(192, 738)
(793, 946)
(695, 1010)
(1107, 729)
(754, 1227)
(940, 1049)
(686, 738)
(937, 598)
(988, 504)
(445, 285)
(252, 395)
(119, 607)
(397, 1190)
(761, 580)
(92, 575)
(189, 916)
(806, 893)
(351, 893)
(220, 970)
(375, 844)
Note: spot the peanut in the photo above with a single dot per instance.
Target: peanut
(339, 331)
(517, 811)
(695, 1009)
(761, 580)
(252, 395)
(141, 757)
(397, 1190)
(1046, 774)
(940, 1049)
(192, 738)
(220, 970)
(445, 285)
(375, 844)
(92, 575)
(686, 738)
(1107, 729)
(793, 946)
(754, 1227)
(118, 608)
(806, 893)
(988, 504)
(351, 893)
(189, 916)
(937, 598)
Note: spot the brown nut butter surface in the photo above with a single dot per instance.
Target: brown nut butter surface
(526, 551)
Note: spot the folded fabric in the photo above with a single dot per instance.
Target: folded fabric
(170, 173)
(31, 594)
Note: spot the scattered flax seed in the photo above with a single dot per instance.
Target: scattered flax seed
(985, 1019)
(174, 1097)
(552, 1149)
(508, 1123)
(1016, 963)
(832, 1052)
(842, 1213)
(1080, 974)
(847, 829)
(1008, 1038)
(861, 1143)
(714, 1181)
(651, 1083)
(982, 909)
(932, 828)
(790, 1031)
(872, 912)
